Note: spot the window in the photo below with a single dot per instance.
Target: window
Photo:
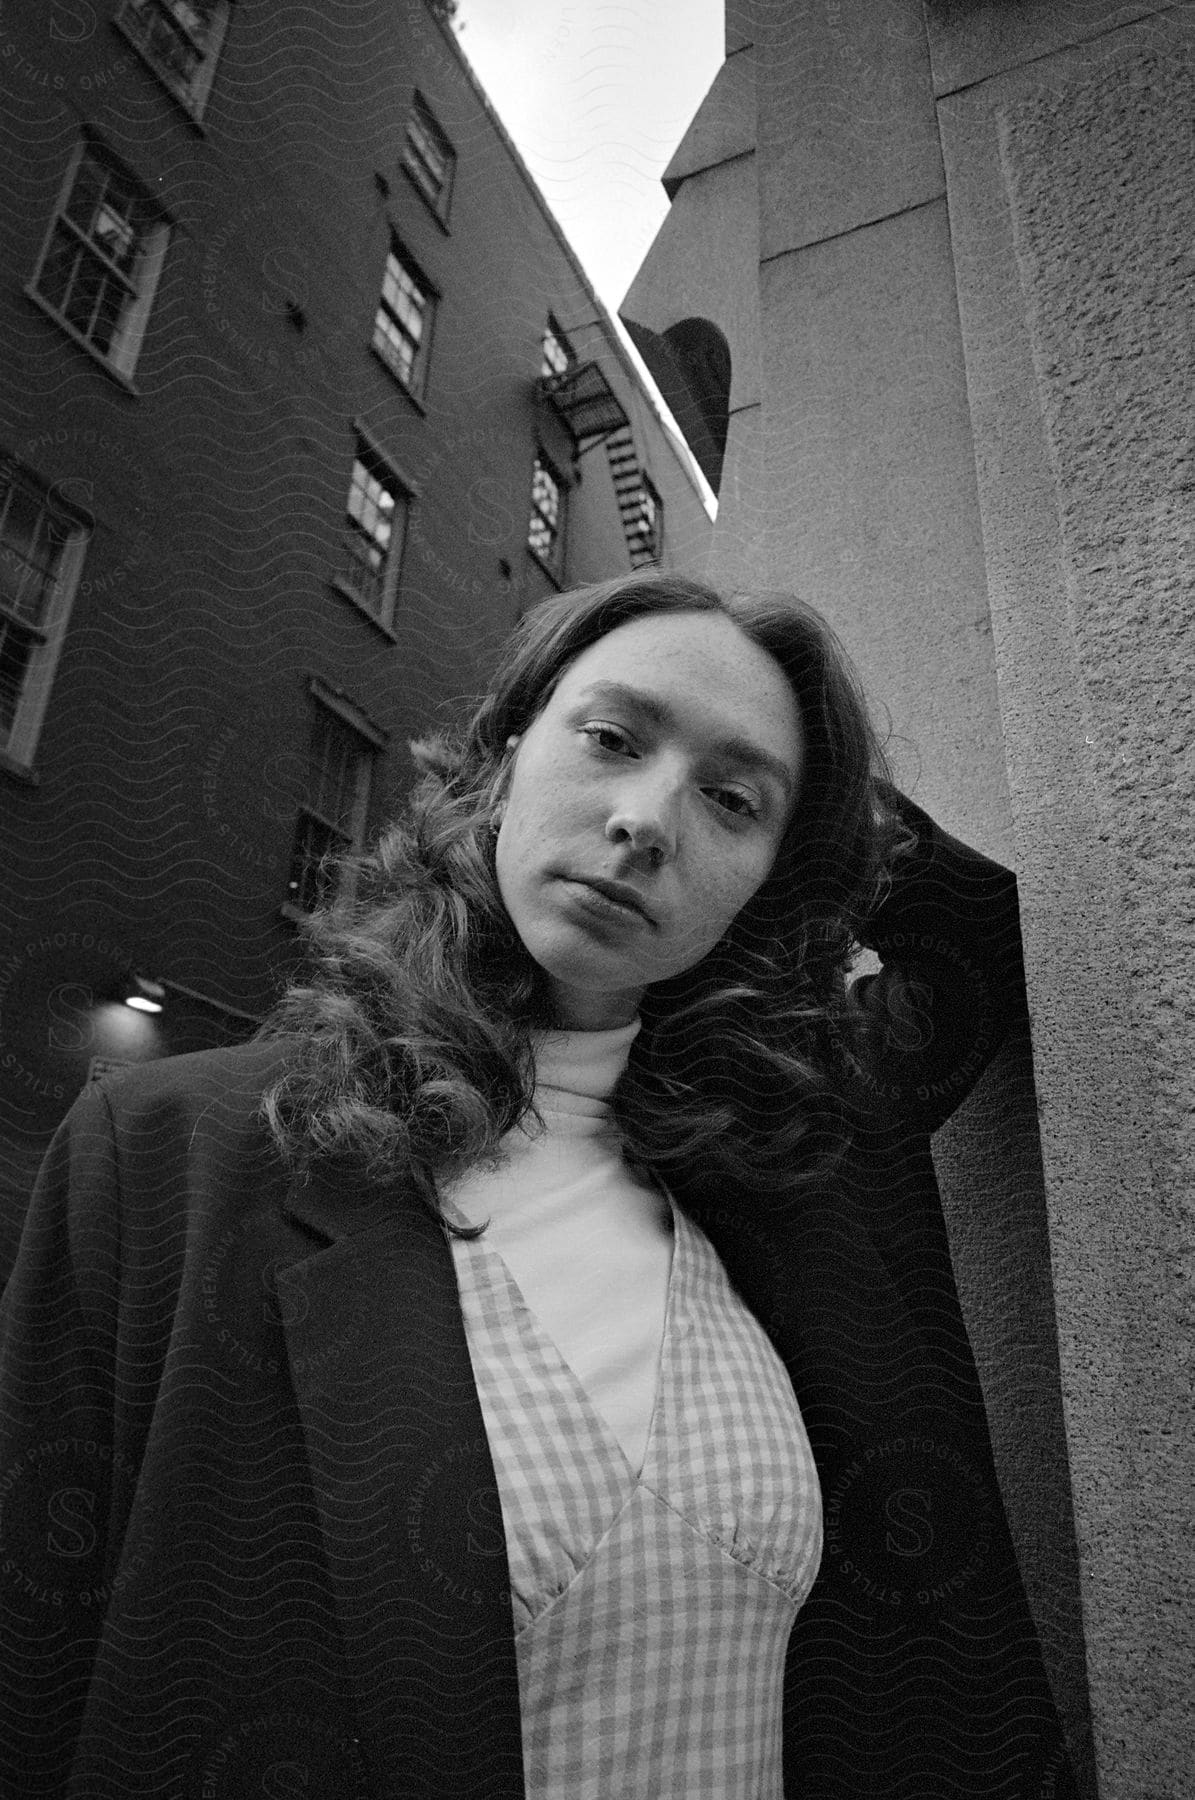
(402, 328)
(545, 533)
(332, 817)
(41, 554)
(180, 40)
(428, 157)
(558, 354)
(102, 257)
(651, 521)
(378, 503)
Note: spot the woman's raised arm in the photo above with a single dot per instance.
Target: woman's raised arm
(952, 981)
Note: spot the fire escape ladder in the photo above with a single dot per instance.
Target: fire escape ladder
(632, 505)
(586, 404)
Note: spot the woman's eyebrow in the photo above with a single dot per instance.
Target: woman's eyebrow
(738, 750)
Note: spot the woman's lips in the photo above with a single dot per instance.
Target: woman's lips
(607, 899)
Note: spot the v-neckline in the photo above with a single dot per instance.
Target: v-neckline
(532, 1327)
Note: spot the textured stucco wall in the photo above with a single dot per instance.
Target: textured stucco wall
(970, 40)
(1071, 187)
(972, 419)
(846, 117)
(870, 497)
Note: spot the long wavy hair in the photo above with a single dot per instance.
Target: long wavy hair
(413, 1034)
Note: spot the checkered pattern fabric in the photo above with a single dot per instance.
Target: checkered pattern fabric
(652, 1611)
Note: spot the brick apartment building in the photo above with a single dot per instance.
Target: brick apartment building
(305, 399)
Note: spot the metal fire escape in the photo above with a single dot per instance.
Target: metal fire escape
(592, 413)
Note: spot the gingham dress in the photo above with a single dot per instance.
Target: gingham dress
(651, 1611)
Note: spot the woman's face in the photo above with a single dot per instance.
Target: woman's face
(645, 806)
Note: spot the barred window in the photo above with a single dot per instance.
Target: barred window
(402, 328)
(181, 42)
(101, 259)
(429, 158)
(545, 533)
(41, 555)
(331, 819)
(377, 509)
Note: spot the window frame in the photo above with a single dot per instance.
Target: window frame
(554, 333)
(120, 358)
(192, 95)
(552, 562)
(332, 708)
(415, 166)
(391, 572)
(19, 741)
(415, 387)
(653, 514)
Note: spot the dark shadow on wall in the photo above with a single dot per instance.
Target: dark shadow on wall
(690, 364)
(989, 1166)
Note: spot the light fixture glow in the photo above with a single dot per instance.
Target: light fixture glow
(146, 996)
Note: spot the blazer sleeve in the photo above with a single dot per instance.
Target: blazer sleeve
(57, 1371)
(952, 980)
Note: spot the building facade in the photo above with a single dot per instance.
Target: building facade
(305, 400)
(919, 306)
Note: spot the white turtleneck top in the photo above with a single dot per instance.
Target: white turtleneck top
(588, 1241)
(659, 1497)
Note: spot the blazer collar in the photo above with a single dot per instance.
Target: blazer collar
(335, 1206)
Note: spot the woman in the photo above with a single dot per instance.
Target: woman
(456, 1390)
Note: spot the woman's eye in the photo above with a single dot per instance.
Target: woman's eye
(733, 800)
(607, 737)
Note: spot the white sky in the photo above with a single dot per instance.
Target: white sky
(597, 94)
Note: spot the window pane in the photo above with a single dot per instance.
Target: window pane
(91, 280)
(327, 821)
(58, 267)
(371, 506)
(197, 17)
(545, 495)
(401, 323)
(543, 531)
(16, 649)
(308, 884)
(86, 192)
(376, 512)
(31, 546)
(425, 148)
(396, 350)
(85, 292)
(408, 308)
(428, 155)
(109, 311)
(331, 790)
(558, 355)
(175, 34)
(113, 232)
(405, 298)
(107, 209)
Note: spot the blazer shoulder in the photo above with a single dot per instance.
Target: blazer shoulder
(226, 1083)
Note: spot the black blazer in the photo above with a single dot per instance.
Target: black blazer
(251, 1540)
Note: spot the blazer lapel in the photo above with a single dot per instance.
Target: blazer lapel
(405, 1489)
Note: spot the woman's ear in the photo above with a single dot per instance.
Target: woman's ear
(498, 808)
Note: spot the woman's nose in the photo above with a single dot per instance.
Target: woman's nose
(645, 818)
